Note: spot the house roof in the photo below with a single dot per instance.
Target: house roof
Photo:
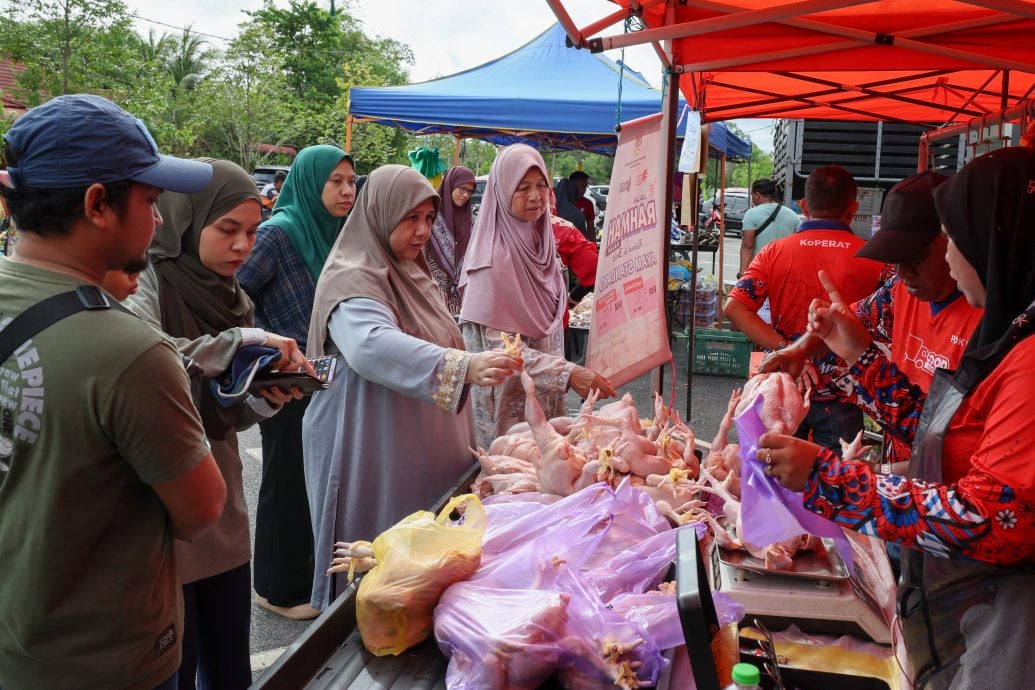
(9, 72)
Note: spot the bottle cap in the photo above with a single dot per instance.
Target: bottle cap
(746, 674)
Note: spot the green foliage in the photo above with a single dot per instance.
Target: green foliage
(564, 163)
(739, 173)
(313, 47)
(70, 46)
(283, 80)
(241, 104)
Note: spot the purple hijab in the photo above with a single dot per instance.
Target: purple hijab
(452, 229)
(511, 279)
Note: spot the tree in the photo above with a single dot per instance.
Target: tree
(156, 49)
(188, 61)
(70, 46)
(244, 102)
(320, 57)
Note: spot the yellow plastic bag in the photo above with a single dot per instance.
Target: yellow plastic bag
(417, 560)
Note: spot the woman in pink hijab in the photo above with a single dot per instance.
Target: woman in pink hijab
(512, 283)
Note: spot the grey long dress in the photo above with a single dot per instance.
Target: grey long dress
(388, 438)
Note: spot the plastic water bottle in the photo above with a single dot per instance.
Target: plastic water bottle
(745, 677)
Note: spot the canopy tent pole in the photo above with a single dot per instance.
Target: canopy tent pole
(691, 326)
(667, 145)
(736, 20)
(348, 134)
(456, 153)
(722, 223)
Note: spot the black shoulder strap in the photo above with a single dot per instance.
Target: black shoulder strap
(46, 313)
(770, 219)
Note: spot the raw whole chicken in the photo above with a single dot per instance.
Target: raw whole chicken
(502, 464)
(724, 457)
(783, 407)
(486, 485)
(622, 413)
(561, 464)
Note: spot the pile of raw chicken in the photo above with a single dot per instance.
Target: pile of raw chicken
(563, 455)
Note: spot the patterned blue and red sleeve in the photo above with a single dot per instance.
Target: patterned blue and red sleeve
(976, 518)
(877, 312)
(875, 384)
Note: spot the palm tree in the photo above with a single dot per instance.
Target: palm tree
(188, 62)
(156, 49)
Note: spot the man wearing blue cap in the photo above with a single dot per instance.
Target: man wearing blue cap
(103, 459)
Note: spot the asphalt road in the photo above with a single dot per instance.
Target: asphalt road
(710, 394)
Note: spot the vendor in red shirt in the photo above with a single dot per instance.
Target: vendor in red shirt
(919, 316)
(966, 508)
(577, 254)
(581, 182)
(785, 273)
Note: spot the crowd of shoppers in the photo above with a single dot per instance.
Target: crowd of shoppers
(141, 283)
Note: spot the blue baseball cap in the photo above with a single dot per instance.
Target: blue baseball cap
(81, 139)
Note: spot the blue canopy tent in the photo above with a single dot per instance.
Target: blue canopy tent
(544, 93)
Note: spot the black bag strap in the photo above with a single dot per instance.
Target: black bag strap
(770, 219)
(46, 313)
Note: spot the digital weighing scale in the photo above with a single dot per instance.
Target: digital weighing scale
(819, 596)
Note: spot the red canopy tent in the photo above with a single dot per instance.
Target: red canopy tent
(907, 60)
(922, 61)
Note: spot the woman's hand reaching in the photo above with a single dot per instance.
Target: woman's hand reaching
(491, 368)
(787, 459)
(291, 358)
(584, 380)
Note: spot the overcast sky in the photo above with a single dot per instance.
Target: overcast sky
(446, 37)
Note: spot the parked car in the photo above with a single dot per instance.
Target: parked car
(263, 174)
(479, 189)
(738, 200)
(599, 194)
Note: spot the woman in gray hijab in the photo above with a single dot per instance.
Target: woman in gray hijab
(392, 434)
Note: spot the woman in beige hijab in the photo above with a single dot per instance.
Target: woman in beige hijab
(391, 435)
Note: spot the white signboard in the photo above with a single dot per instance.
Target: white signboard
(628, 337)
(689, 160)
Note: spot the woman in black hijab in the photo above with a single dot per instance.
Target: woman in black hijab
(966, 509)
(191, 294)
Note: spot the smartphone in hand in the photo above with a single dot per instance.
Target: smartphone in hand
(303, 380)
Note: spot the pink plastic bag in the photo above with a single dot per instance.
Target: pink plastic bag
(638, 568)
(500, 638)
(769, 512)
(603, 647)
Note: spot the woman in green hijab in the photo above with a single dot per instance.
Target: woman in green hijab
(280, 276)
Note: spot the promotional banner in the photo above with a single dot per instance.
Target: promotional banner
(628, 337)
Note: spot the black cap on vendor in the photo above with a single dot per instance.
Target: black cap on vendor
(909, 221)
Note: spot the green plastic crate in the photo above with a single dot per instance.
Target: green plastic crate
(721, 353)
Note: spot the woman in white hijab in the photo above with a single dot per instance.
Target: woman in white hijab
(391, 435)
(512, 283)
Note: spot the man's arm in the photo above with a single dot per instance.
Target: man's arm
(195, 500)
(751, 324)
(747, 250)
